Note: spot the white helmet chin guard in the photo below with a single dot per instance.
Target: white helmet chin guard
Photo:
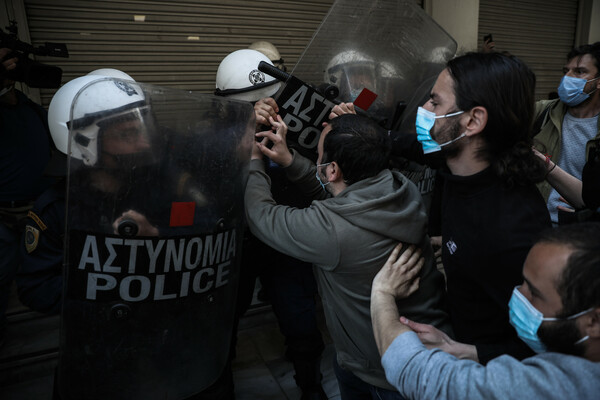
(238, 77)
(91, 99)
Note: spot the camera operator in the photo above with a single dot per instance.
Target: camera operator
(24, 152)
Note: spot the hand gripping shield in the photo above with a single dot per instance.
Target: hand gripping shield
(153, 240)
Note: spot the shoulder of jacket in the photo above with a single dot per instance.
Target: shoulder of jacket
(548, 119)
(40, 219)
(551, 106)
(557, 107)
(50, 197)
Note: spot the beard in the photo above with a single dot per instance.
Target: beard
(560, 336)
(451, 132)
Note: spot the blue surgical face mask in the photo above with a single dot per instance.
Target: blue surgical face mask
(425, 121)
(319, 178)
(527, 320)
(571, 91)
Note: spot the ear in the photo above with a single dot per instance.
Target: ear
(591, 324)
(334, 173)
(477, 121)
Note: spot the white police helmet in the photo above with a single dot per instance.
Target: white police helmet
(112, 73)
(95, 98)
(269, 50)
(351, 71)
(238, 77)
(341, 63)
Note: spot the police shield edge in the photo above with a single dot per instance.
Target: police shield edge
(383, 55)
(154, 225)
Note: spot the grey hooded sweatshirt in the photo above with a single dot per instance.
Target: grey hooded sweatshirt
(348, 239)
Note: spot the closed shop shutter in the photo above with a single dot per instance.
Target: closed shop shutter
(540, 32)
(178, 44)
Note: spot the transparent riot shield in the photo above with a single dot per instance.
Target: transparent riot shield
(153, 239)
(383, 55)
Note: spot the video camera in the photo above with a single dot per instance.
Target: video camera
(34, 74)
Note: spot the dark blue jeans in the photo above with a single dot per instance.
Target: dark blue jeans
(354, 388)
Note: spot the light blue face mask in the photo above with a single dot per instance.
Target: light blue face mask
(527, 320)
(425, 121)
(570, 90)
(319, 178)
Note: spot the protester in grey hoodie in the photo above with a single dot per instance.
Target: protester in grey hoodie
(347, 236)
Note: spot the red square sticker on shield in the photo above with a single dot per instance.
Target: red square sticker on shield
(182, 213)
(365, 99)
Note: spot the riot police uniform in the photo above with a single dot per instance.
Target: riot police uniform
(40, 280)
(289, 283)
(24, 153)
(147, 313)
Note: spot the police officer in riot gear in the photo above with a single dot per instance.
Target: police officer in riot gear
(110, 137)
(351, 71)
(148, 308)
(289, 283)
(354, 71)
(40, 278)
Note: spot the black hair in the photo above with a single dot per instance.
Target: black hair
(579, 283)
(505, 87)
(358, 145)
(591, 49)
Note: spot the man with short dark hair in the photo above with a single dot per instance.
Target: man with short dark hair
(556, 311)
(346, 236)
(567, 125)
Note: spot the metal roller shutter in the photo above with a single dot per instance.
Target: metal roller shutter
(179, 44)
(540, 32)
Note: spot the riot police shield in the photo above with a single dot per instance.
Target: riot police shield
(383, 55)
(153, 239)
